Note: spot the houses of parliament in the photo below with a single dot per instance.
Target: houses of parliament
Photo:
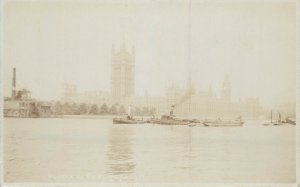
(199, 103)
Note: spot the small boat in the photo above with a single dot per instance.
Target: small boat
(224, 123)
(279, 122)
(128, 121)
(195, 121)
(290, 121)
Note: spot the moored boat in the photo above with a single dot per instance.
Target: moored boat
(291, 121)
(280, 122)
(224, 123)
(128, 121)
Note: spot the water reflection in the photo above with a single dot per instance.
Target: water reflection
(147, 153)
(120, 153)
(181, 154)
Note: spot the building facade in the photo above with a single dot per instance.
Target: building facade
(188, 101)
(206, 104)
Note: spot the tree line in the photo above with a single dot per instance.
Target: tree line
(94, 109)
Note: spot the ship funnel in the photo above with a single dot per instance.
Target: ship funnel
(13, 94)
(172, 110)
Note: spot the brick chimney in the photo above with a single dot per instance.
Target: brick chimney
(13, 94)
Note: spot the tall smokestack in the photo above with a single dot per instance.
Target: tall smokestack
(13, 94)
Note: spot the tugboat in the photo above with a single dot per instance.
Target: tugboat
(128, 120)
(170, 119)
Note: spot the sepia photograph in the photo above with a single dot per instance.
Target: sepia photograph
(149, 92)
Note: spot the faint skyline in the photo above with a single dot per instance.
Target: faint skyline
(52, 43)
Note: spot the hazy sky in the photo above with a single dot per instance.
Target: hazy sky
(54, 42)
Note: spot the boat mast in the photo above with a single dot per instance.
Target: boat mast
(271, 116)
(189, 78)
(189, 54)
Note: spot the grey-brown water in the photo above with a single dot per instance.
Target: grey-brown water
(95, 150)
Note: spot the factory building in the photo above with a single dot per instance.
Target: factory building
(20, 104)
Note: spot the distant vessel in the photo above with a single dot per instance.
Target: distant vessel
(279, 121)
(224, 123)
(192, 124)
(291, 121)
(128, 119)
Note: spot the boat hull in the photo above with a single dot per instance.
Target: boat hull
(128, 121)
(223, 124)
(292, 122)
(169, 122)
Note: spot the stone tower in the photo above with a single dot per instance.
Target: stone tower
(122, 73)
(226, 89)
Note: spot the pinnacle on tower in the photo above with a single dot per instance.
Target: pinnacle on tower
(123, 47)
(226, 79)
(226, 92)
(133, 49)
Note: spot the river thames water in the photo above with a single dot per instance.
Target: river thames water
(95, 150)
